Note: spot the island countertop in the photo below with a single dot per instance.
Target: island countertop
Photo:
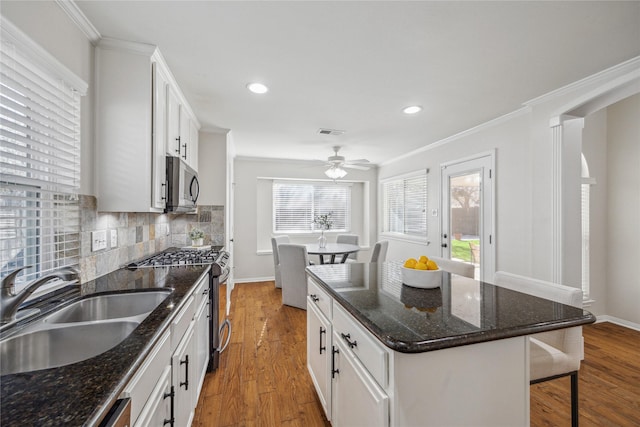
(461, 311)
(81, 393)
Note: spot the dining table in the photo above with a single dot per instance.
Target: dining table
(332, 250)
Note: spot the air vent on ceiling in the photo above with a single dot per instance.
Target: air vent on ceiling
(334, 132)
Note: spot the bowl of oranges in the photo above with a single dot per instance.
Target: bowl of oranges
(421, 273)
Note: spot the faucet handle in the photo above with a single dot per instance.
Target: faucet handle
(9, 281)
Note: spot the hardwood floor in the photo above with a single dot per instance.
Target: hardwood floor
(263, 378)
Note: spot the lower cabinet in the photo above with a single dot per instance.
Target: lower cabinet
(201, 324)
(184, 379)
(319, 354)
(158, 411)
(357, 400)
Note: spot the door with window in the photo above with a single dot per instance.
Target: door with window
(467, 213)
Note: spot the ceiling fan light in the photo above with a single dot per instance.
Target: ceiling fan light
(412, 109)
(335, 172)
(258, 88)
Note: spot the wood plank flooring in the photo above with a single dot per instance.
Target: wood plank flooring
(263, 378)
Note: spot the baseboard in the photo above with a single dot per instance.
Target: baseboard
(254, 279)
(617, 321)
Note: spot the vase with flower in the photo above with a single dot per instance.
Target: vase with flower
(324, 222)
(197, 236)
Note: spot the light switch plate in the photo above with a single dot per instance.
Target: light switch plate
(114, 239)
(98, 240)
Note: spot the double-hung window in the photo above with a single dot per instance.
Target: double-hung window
(404, 206)
(39, 159)
(297, 203)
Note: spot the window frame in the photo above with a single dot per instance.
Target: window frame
(384, 211)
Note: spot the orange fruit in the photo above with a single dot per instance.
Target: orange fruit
(423, 259)
(410, 263)
(421, 266)
(431, 265)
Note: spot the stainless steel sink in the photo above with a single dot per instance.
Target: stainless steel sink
(79, 331)
(104, 307)
(50, 348)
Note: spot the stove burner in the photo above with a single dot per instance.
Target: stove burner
(178, 257)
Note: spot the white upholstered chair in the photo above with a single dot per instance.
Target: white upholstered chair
(293, 262)
(455, 267)
(351, 239)
(553, 354)
(275, 241)
(379, 253)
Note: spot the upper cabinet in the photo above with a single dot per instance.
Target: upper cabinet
(140, 112)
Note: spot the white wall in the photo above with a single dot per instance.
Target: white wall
(623, 187)
(49, 26)
(212, 168)
(252, 218)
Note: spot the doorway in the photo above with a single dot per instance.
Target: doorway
(467, 213)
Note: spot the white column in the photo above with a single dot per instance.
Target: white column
(556, 201)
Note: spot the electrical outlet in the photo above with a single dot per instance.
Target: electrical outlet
(114, 239)
(98, 240)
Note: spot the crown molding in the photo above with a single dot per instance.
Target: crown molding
(81, 21)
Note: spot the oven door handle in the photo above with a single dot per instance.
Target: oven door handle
(225, 325)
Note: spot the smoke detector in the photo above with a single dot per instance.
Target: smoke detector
(333, 132)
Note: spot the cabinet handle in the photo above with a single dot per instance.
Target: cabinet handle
(178, 149)
(314, 298)
(322, 331)
(334, 371)
(164, 191)
(171, 420)
(184, 156)
(185, 362)
(347, 338)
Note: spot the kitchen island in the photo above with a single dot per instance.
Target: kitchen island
(82, 393)
(382, 353)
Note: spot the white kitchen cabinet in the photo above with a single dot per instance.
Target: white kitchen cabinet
(174, 146)
(182, 130)
(357, 399)
(202, 343)
(157, 411)
(193, 144)
(184, 379)
(319, 354)
(132, 128)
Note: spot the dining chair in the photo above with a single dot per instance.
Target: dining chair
(379, 253)
(293, 262)
(455, 267)
(552, 354)
(351, 239)
(275, 241)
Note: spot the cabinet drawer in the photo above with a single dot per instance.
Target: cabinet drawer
(319, 297)
(371, 354)
(140, 387)
(181, 322)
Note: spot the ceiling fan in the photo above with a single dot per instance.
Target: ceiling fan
(337, 163)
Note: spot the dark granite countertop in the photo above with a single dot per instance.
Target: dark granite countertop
(81, 393)
(461, 311)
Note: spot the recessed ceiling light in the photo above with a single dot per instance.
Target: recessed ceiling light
(412, 109)
(257, 88)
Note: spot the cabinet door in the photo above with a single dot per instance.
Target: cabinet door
(319, 354)
(159, 150)
(185, 135)
(357, 400)
(184, 379)
(193, 145)
(174, 145)
(158, 408)
(202, 343)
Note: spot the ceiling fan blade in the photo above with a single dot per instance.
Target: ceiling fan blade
(358, 161)
(350, 166)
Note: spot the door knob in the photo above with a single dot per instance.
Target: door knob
(444, 245)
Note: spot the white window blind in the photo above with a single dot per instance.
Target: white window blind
(296, 204)
(404, 203)
(39, 165)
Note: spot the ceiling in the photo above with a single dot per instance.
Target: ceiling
(353, 66)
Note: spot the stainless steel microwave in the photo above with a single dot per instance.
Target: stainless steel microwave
(182, 186)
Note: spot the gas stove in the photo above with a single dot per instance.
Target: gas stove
(180, 256)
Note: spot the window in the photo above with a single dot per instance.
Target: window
(39, 160)
(404, 204)
(296, 204)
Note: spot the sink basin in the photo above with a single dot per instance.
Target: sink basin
(105, 307)
(50, 348)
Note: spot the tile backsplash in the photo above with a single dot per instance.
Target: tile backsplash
(140, 234)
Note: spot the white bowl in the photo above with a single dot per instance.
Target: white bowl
(426, 279)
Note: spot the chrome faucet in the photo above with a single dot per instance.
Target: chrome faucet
(10, 301)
